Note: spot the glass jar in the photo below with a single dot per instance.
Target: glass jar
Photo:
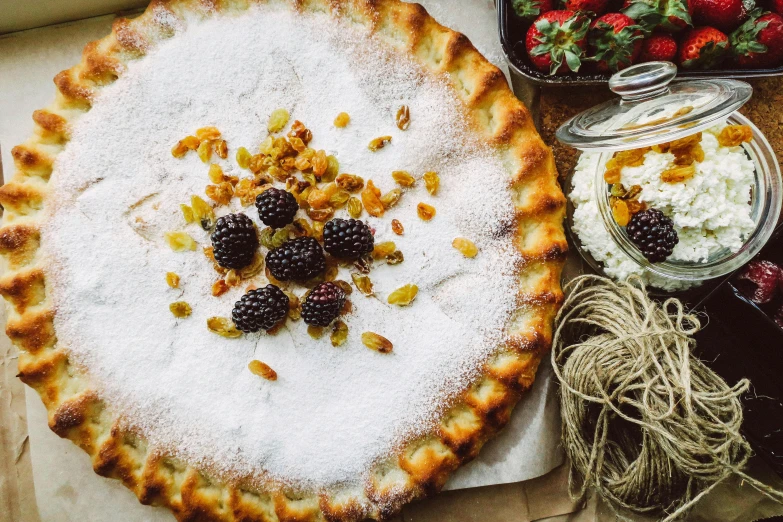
(651, 111)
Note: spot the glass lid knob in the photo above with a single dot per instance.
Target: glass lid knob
(643, 80)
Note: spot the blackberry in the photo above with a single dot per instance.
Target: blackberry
(234, 240)
(276, 207)
(323, 304)
(298, 259)
(260, 309)
(653, 233)
(347, 238)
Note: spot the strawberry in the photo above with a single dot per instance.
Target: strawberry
(666, 15)
(725, 15)
(556, 41)
(660, 47)
(532, 8)
(596, 7)
(615, 41)
(776, 6)
(758, 42)
(703, 48)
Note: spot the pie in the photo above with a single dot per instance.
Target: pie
(122, 311)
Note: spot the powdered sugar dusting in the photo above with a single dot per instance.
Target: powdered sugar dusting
(333, 411)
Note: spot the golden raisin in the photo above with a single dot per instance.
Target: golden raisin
(635, 206)
(204, 151)
(734, 135)
(323, 214)
(180, 309)
(277, 120)
(354, 207)
(302, 228)
(221, 149)
(219, 288)
(332, 169)
(331, 273)
(379, 143)
(403, 117)
(172, 279)
(363, 283)
(404, 295)
(339, 198)
(376, 342)
(397, 227)
(187, 213)
(612, 175)
(678, 174)
(341, 120)
(294, 306)
(216, 173)
(254, 268)
(208, 133)
(297, 144)
(223, 327)
(345, 286)
(630, 158)
(320, 163)
(339, 333)
(298, 130)
(179, 241)
(318, 230)
(221, 193)
(202, 212)
(372, 202)
(391, 198)
(179, 150)
(685, 143)
(467, 247)
(403, 178)
(620, 212)
(316, 332)
(232, 278)
(349, 182)
(383, 249)
(317, 198)
(246, 190)
(191, 142)
(270, 238)
(431, 182)
(262, 370)
(395, 258)
(425, 211)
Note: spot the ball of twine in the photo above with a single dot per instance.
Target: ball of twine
(645, 424)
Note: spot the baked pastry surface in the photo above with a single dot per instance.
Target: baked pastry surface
(418, 462)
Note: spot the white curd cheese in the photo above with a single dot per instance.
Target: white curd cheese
(710, 211)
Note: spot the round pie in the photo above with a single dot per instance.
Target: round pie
(122, 272)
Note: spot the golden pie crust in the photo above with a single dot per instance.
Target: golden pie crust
(421, 467)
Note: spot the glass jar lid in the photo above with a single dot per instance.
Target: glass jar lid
(651, 109)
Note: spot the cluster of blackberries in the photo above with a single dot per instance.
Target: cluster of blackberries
(235, 243)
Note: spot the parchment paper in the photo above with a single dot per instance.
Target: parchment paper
(65, 485)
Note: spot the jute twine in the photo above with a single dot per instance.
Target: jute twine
(645, 424)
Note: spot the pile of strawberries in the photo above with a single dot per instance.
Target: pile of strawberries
(596, 36)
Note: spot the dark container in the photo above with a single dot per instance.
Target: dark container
(512, 39)
(741, 340)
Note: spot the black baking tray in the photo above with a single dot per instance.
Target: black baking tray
(512, 39)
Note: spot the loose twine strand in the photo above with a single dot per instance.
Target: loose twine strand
(645, 423)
